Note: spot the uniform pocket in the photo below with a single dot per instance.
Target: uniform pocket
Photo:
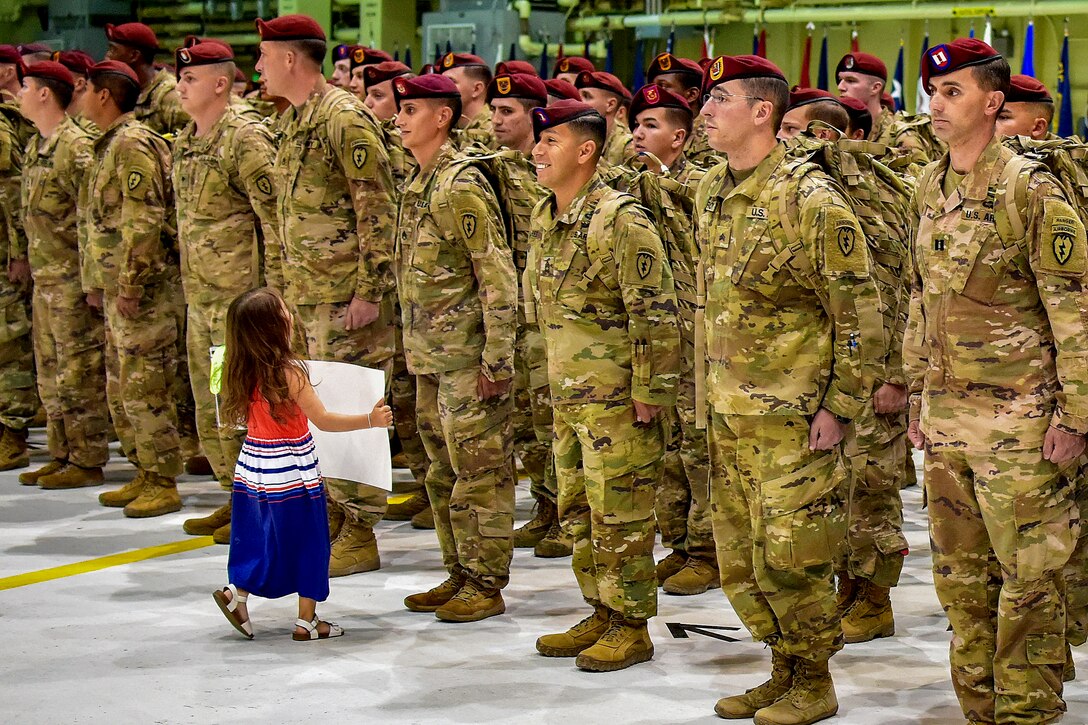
(1047, 530)
(14, 322)
(1046, 649)
(805, 520)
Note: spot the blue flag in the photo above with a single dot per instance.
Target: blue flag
(585, 49)
(921, 98)
(671, 42)
(821, 74)
(897, 80)
(408, 57)
(544, 60)
(1027, 63)
(609, 57)
(638, 78)
(513, 52)
(1065, 93)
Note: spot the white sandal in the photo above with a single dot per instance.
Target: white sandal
(230, 608)
(312, 633)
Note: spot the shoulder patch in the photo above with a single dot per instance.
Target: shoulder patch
(468, 224)
(264, 184)
(844, 243)
(1062, 248)
(134, 180)
(359, 153)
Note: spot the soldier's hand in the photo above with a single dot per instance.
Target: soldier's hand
(19, 271)
(128, 307)
(915, 435)
(360, 314)
(890, 398)
(487, 389)
(644, 412)
(826, 431)
(1060, 447)
(94, 299)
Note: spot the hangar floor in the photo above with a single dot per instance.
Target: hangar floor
(141, 641)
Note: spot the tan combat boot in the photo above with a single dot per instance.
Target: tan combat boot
(471, 604)
(72, 476)
(625, 643)
(199, 466)
(1069, 671)
(432, 599)
(424, 519)
(743, 707)
(870, 616)
(578, 638)
(810, 699)
(30, 478)
(528, 535)
(222, 535)
(405, 510)
(336, 518)
(555, 544)
(354, 551)
(206, 525)
(13, 450)
(697, 576)
(159, 497)
(847, 591)
(670, 565)
(126, 494)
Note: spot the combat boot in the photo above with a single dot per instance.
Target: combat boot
(354, 551)
(811, 697)
(670, 565)
(1069, 671)
(697, 576)
(472, 604)
(30, 478)
(405, 510)
(336, 518)
(625, 643)
(742, 707)
(424, 519)
(578, 638)
(846, 593)
(432, 599)
(159, 497)
(126, 494)
(13, 449)
(206, 525)
(555, 543)
(870, 616)
(222, 535)
(199, 466)
(72, 476)
(528, 535)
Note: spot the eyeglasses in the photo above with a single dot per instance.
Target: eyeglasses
(723, 97)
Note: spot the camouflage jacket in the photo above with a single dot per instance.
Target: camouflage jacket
(336, 201)
(13, 243)
(477, 130)
(402, 163)
(697, 149)
(226, 204)
(903, 141)
(124, 211)
(997, 339)
(601, 290)
(790, 327)
(159, 107)
(53, 171)
(618, 145)
(455, 274)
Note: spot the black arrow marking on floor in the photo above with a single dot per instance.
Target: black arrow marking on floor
(680, 631)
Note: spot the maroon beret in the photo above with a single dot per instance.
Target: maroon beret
(705, 63)
(10, 54)
(28, 48)
(510, 67)
(949, 57)
(562, 89)
(1025, 89)
(134, 35)
(342, 52)
(460, 60)
(76, 61)
(239, 76)
(290, 27)
(859, 114)
(652, 96)
(603, 81)
(207, 52)
(669, 63)
(434, 85)
(887, 101)
(559, 113)
(114, 67)
(191, 40)
(573, 64)
(382, 72)
(427, 69)
(51, 70)
(804, 96)
(863, 63)
(518, 85)
(736, 67)
(363, 56)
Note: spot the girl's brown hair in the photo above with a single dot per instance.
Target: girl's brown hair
(259, 355)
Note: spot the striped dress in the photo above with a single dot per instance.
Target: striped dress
(279, 525)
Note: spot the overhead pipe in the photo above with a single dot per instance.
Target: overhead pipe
(533, 48)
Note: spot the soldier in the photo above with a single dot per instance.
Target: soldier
(602, 293)
(995, 351)
(238, 88)
(69, 337)
(568, 68)
(1028, 109)
(864, 76)
(607, 94)
(11, 73)
(32, 53)
(516, 67)
(472, 76)
(861, 121)
(341, 65)
(79, 65)
(685, 78)
(812, 104)
(361, 58)
(158, 107)
(226, 191)
(458, 291)
(335, 202)
(129, 272)
(791, 333)
(560, 89)
(375, 86)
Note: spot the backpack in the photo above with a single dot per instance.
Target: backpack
(922, 125)
(1065, 158)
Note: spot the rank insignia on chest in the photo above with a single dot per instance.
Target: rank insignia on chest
(134, 180)
(711, 204)
(940, 242)
(846, 238)
(264, 185)
(644, 264)
(757, 212)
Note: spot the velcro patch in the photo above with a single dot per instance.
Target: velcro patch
(643, 269)
(1062, 249)
(359, 154)
(844, 243)
(468, 224)
(134, 179)
(264, 185)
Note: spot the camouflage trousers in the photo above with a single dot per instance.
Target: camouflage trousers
(469, 481)
(184, 404)
(1002, 525)
(608, 468)
(876, 448)
(18, 397)
(402, 399)
(1076, 571)
(533, 412)
(779, 525)
(205, 328)
(372, 346)
(141, 365)
(69, 349)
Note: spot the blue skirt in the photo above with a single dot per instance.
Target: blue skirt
(279, 528)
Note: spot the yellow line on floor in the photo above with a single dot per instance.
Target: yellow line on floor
(104, 562)
(399, 498)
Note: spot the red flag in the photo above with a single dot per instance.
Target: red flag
(806, 61)
(706, 42)
(762, 50)
(559, 51)
(854, 41)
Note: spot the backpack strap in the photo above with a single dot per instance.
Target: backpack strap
(1016, 181)
(793, 254)
(601, 261)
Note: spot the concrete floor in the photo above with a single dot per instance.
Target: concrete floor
(144, 643)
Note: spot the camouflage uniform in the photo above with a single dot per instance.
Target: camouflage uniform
(458, 292)
(159, 107)
(618, 146)
(127, 252)
(697, 150)
(477, 130)
(602, 294)
(790, 329)
(226, 193)
(69, 336)
(997, 348)
(336, 226)
(901, 138)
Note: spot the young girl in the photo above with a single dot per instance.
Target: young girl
(279, 525)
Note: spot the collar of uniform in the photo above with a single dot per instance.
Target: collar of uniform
(423, 177)
(46, 148)
(107, 133)
(577, 206)
(978, 181)
(679, 165)
(480, 120)
(201, 144)
(881, 123)
(754, 184)
(305, 112)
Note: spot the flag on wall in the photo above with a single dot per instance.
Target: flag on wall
(821, 73)
(638, 77)
(1027, 63)
(921, 98)
(897, 80)
(759, 43)
(671, 42)
(1064, 119)
(544, 59)
(854, 45)
(609, 56)
(806, 59)
(708, 46)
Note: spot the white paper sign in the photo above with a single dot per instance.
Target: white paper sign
(360, 455)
